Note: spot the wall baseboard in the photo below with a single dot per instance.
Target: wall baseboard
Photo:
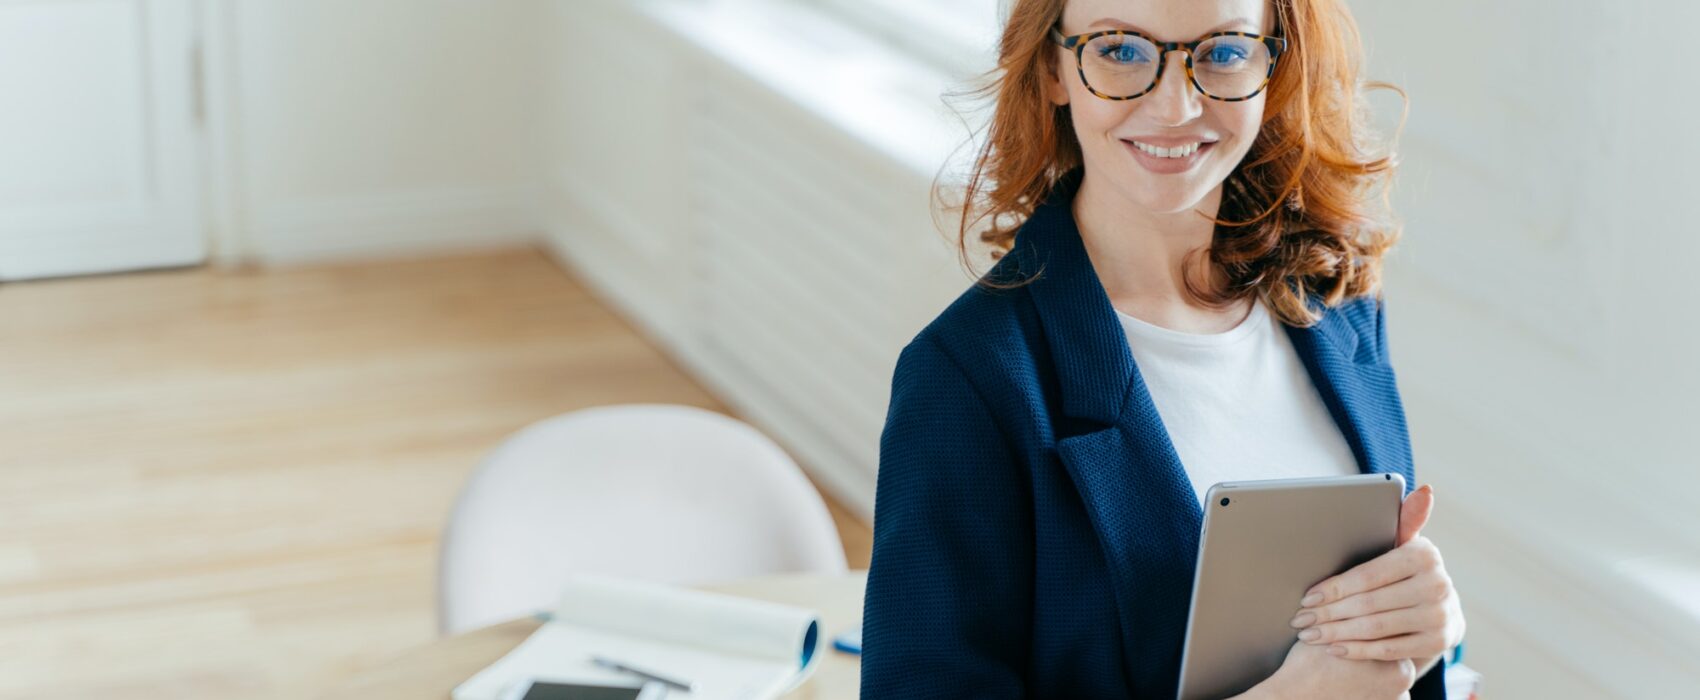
(382, 225)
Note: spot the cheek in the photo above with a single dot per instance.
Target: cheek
(1097, 117)
(1241, 120)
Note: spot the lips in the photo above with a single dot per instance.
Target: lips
(1156, 159)
(1169, 147)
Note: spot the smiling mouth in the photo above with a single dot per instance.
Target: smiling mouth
(1181, 151)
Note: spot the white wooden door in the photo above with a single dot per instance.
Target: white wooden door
(97, 137)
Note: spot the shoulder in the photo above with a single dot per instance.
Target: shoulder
(1366, 315)
(984, 332)
(1361, 312)
(970, 383)
(986, 351)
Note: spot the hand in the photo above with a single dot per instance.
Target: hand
(1400, 605)
(1309, 671)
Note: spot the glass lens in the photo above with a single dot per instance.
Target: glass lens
(1119, 65)
(1231, 66)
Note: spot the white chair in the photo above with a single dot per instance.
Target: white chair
(661, 493)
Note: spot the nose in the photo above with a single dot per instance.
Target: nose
(1174, 101)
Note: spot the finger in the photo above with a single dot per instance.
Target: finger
(1401, 563)
(1414, 512)
(1424, 588)
(1403, 647)
(1382, 625)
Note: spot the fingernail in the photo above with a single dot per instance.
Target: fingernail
(1304, 620)
(1310, 635)
(1337, 651)
(1311, 600)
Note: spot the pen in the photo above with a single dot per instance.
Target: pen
(610, 663)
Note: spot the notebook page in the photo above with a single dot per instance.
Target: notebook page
(696, 618)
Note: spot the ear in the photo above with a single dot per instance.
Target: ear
(1056, 90)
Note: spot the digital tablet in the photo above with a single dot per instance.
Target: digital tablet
(1264, 544)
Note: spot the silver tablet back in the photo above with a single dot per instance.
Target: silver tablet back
(1264, 544)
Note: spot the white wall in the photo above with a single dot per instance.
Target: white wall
(352, 127)
(1540, 314)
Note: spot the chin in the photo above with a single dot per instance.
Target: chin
(1166, 197)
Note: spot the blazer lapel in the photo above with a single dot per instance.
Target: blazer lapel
(1114, 445)
(1360, 392)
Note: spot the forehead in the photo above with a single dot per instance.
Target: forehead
(1167, 20)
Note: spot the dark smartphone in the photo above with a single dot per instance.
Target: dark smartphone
(543, 690)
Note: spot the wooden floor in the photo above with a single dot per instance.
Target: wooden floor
(229, 483)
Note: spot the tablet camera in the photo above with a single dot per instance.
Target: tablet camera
(1224, 502)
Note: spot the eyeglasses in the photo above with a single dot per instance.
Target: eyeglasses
(1121, 64)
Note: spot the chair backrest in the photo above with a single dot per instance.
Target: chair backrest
(661, 493)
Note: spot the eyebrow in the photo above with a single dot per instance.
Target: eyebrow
(1118, 24)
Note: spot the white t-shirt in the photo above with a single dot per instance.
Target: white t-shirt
(1238, 405)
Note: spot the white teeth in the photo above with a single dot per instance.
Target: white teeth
(1175, 152)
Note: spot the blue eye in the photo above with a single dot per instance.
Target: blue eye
(1224, 54)
(1123, 53)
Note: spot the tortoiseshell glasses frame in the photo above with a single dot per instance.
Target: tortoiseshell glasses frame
(1077, 44)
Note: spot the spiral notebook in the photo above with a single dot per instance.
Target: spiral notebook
(729, 647)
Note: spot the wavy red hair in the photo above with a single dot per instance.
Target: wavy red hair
(1300, 203)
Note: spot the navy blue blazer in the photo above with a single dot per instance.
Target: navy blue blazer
(1035, 534)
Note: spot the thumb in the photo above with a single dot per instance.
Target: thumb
(1413, 514)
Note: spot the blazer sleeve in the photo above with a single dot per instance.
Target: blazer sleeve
(948, 612)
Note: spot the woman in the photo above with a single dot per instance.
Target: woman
(1191, 295)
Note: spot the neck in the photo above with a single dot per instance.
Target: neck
(1137, 256)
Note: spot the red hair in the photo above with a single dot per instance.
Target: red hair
(1302, 194)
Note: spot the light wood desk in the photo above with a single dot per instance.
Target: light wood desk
(433, 670)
